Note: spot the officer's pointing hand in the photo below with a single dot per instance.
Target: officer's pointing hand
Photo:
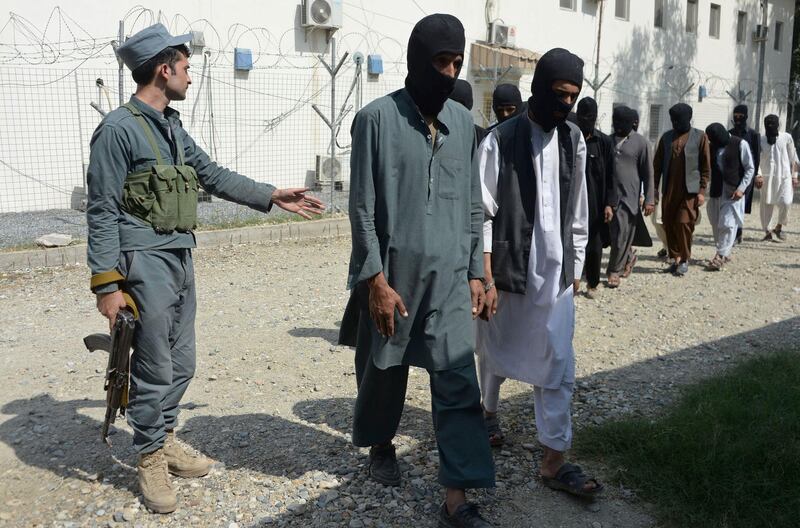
(297, 201)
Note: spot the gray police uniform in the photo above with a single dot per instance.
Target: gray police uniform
(153, 266)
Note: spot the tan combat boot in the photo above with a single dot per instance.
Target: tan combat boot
(182, 460)
(159, 495)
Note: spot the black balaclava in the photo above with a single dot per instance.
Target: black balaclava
(622, 121)
(587, 115)
(717, 135)
(740, 123)
(572, 117)
(462, 93)
(681, 117)
(635, 115)
(557, 64)
(772, 128)
(506, 95)
(432, 36)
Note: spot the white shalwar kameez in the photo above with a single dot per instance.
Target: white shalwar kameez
(530, 337)
(725, 214)
(776, 166)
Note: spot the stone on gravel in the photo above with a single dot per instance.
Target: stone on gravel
(54, 240)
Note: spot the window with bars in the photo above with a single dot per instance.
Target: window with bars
(741, 27)
(654, 127)
(713, 21)
(486, 107)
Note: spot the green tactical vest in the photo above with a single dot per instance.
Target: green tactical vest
(164, 196)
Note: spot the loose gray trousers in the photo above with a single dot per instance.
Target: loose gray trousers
(163, 362)
(465, 457)
(622, 230)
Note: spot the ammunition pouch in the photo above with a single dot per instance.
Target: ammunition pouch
(163, 195)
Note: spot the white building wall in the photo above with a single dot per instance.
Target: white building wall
(263, 122)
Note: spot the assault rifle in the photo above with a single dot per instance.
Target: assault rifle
(118, 346)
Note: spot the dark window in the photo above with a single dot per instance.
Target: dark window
(778, 35)
(713, 21)
(655, 122)
(623, 9)
(658, 18)
(741, 27)
(691, 16)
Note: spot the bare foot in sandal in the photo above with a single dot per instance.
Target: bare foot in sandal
(496, 436)
(560, 475)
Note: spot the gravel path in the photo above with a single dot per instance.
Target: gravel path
(22, 229)
(273, 394)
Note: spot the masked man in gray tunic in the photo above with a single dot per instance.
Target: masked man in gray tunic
(633, 176)
(416, 268)
(143, 177)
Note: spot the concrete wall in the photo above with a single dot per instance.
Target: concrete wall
(263, 122)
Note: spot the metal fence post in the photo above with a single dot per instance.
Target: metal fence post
(121, 41)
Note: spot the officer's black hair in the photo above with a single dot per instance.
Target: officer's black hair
(145, 73)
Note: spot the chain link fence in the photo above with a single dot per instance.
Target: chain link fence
(259, 123)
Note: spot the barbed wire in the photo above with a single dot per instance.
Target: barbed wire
(63, 39)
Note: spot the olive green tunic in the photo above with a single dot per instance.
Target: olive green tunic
(416, 215)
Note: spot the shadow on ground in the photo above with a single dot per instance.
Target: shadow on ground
(328, 334)
(56, 436)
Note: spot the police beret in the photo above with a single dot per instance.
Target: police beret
(148, 43)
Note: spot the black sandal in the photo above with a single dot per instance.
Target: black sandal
(572, 479)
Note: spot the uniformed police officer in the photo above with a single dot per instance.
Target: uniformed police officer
(143, 179)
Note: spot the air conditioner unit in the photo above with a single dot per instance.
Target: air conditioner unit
(329, 171)
(760, 34)
(322, 14)
(502, 35)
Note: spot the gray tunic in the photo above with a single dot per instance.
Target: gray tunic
(633, 171)
(119, 147)
(416, 215)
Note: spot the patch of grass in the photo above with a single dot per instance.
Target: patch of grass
(249, 221)
(216, 223)
(726, 455)
(33, 245)
(19, 247)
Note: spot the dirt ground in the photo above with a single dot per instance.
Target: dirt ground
(273, 393)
